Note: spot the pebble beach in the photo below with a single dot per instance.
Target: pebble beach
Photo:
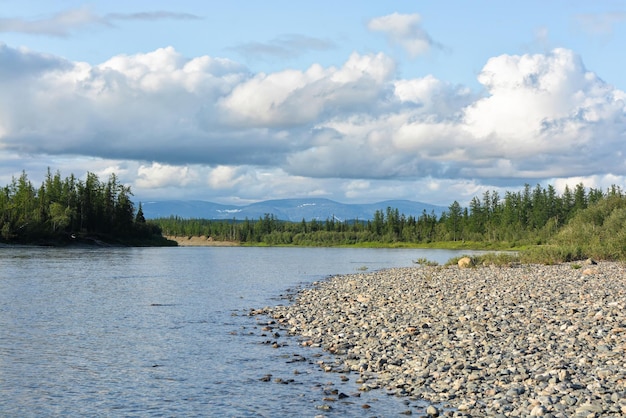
(514, 341)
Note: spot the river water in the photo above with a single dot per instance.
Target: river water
(165, 332)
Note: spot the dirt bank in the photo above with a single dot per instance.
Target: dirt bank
(201, 241)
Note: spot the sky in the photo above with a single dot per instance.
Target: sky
(355, 101)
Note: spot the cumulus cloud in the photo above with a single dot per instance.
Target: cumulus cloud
(158, 175)
(208, 123)
(404, 30)
(293, 97)
(141, 107)
(546, 104)
(17, 63)
(64, 23)
(224, 177)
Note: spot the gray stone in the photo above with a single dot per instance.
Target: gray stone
(485, 341)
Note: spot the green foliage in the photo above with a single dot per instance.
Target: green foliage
(578, 224)
(455, 260)
(551, 254)
(497, 259)
(426, 262)
(550, 228)
(62, 211)
(599, 231)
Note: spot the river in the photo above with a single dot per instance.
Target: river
(165, 332)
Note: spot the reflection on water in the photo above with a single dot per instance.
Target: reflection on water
(164, 332)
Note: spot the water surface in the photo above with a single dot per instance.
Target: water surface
(165, 332)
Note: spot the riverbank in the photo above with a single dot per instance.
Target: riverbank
(200, 241)
(529, 340)
(204, 241)
(92, 241)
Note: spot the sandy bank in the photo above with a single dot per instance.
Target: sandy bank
(201, 241)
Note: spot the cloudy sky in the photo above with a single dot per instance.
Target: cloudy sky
(240, 101)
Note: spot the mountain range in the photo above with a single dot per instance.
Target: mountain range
(293, 210)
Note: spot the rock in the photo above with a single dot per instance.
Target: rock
(589, 407)
(362, 298)
(465, 262)
(432, 411)
(527, 341)
(538, 411)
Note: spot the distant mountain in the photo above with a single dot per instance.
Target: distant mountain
(285, 209)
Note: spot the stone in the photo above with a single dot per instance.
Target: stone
(589, 407)
(538, 411)
(432, 411)
(465, 262)
(532, 340)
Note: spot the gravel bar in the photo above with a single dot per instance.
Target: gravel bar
(516, 341)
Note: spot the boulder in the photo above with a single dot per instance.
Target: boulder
(465, 262)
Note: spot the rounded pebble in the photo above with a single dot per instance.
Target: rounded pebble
(524, 340)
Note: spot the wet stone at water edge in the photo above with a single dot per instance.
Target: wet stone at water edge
(520, 341)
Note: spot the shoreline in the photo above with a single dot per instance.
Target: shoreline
(200, 241)
(529, 340)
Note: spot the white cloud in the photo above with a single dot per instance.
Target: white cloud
(153, 106)
(224, 177)
(299, 97)
(208, 125)
(64, 23)
(405, 30)
(601, 182)
(544, 104)
(159, 176)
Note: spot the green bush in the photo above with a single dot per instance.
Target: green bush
(422, 261)
(598, 232)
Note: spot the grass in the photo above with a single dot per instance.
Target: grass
(551, 254)
(422, 261)
(489, 259)
(440, 245)
(500, 253)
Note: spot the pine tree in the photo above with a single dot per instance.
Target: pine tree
(139, 218)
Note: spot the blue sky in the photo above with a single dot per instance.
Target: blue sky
(354, 101)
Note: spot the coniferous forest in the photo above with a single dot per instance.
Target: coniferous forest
(551, 227)
(72, 211)
(554, 227)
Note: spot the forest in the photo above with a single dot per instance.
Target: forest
(71, 211)
(553, 227)
(578, 223)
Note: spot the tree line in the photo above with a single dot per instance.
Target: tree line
(65, 209)
(529, 216)
(62, 210)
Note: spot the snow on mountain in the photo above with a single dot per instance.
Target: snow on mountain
(293, 210)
